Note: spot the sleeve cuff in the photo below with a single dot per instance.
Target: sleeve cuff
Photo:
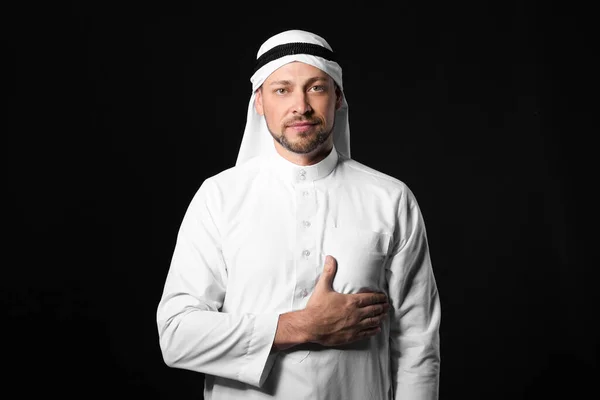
(259, 359)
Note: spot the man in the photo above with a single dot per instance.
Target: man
(301, 273)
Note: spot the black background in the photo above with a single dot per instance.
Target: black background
(116, 113)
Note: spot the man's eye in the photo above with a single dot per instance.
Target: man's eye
(280, 91)
(318, 88)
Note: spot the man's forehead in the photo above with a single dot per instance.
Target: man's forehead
(297, 70)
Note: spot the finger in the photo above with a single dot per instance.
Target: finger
(326, 279)
(374, 310)
(365, 333)
(372, 322)
(367, 299)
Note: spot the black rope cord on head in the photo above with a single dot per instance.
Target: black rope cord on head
(294, 48)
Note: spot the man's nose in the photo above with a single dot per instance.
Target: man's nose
(301, 105)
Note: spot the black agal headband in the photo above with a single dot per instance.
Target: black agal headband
(294, 48)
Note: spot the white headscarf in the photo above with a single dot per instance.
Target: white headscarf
(257, 138)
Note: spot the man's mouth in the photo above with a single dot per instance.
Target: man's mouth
(301, 126)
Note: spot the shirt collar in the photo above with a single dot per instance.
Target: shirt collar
(298, 174)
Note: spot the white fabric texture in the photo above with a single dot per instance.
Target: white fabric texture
(256, 138)
(251, 246)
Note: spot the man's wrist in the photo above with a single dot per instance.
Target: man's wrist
(292, 330)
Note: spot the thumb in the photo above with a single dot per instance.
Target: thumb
(329, 269)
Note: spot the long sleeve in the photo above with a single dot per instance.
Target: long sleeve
(193, 332)
(415, 311)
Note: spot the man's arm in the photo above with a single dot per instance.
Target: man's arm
(415, 309)
(193, 333)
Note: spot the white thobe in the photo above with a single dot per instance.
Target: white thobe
(252, 245)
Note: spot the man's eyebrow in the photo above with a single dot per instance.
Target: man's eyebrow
(283, 82)
(317, 78)
(288, 82)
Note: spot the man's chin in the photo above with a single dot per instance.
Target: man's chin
(299, 149)
(300, 142)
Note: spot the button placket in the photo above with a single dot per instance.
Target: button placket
(302, 175)
(306, 241)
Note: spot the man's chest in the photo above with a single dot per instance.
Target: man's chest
(279, 242)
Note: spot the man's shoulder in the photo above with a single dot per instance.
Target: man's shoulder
(237, 172)
(228, 183)
(369, 175)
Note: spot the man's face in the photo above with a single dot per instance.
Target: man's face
(299, 102)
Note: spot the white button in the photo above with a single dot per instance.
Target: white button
(302, 172)
(304, 293)
(306, 223)
(306, 253)
(305, 193)
(302, 177)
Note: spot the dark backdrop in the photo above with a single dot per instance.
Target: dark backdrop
(117, 113)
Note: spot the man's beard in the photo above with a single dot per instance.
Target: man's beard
(305, 143)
